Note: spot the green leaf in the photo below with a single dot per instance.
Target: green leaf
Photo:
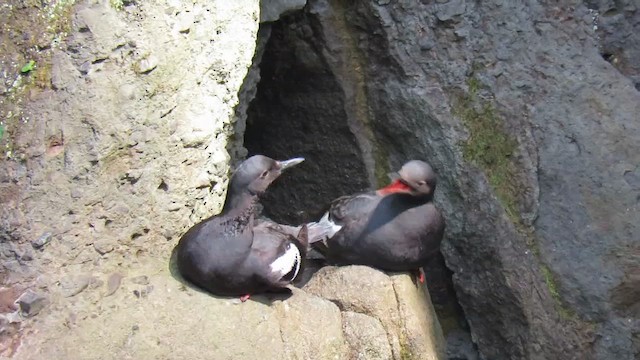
(1, 131)
(28, 67)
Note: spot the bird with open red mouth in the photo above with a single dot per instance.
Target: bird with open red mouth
(395, 228)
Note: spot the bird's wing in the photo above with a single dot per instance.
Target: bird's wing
(352, 207)
(342, 210)
(276, 252)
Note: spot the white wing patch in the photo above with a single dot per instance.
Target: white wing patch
(287, 262)
(322, 230)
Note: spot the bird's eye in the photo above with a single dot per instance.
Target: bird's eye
(264, 174)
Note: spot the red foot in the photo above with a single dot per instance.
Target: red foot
(419, 274)
(244, 298)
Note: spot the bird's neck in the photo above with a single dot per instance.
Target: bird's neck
(395, 187)
(239, 202)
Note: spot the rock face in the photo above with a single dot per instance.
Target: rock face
(163, 318)
(117, 152)
(534, 135)
(113, 147)
(376, 303)
(618, 29)
(123, 139)
(272, 10)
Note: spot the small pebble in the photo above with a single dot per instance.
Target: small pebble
(42, 240)
(147, 64)
(85, 67)
(113, 283)
(103, 247)
(73, 285)
(31, 303)
(174, 206)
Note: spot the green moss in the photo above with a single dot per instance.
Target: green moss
(547, 275)
(552, 285)
(117, 4)
(550, 281)
(490, 147)
(405, 354)
(60, 14)
(474, 85)
(381, 166)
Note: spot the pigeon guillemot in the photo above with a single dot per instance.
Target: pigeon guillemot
(396, 228)
(231, 254)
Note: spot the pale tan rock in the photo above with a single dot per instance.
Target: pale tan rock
(366, 337)
(402, 307)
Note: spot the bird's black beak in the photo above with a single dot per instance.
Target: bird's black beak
(285, 164)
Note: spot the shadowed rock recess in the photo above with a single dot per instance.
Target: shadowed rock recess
(527, 113)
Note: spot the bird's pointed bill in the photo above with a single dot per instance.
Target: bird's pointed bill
(284, 164)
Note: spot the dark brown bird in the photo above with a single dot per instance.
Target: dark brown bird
(396, 228)
(230, 254)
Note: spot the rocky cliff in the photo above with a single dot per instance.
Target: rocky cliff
(120, 124)
(122, 131)
(528, 112)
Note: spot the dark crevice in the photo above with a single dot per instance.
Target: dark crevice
(608, 57)
(299, 110)
(163, 186)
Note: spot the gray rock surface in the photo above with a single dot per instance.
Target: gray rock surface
(111, 153)
(617, 25)
(272, 10)
(534, 135)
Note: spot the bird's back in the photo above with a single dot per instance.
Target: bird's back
(394, 232)
(211, 253)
